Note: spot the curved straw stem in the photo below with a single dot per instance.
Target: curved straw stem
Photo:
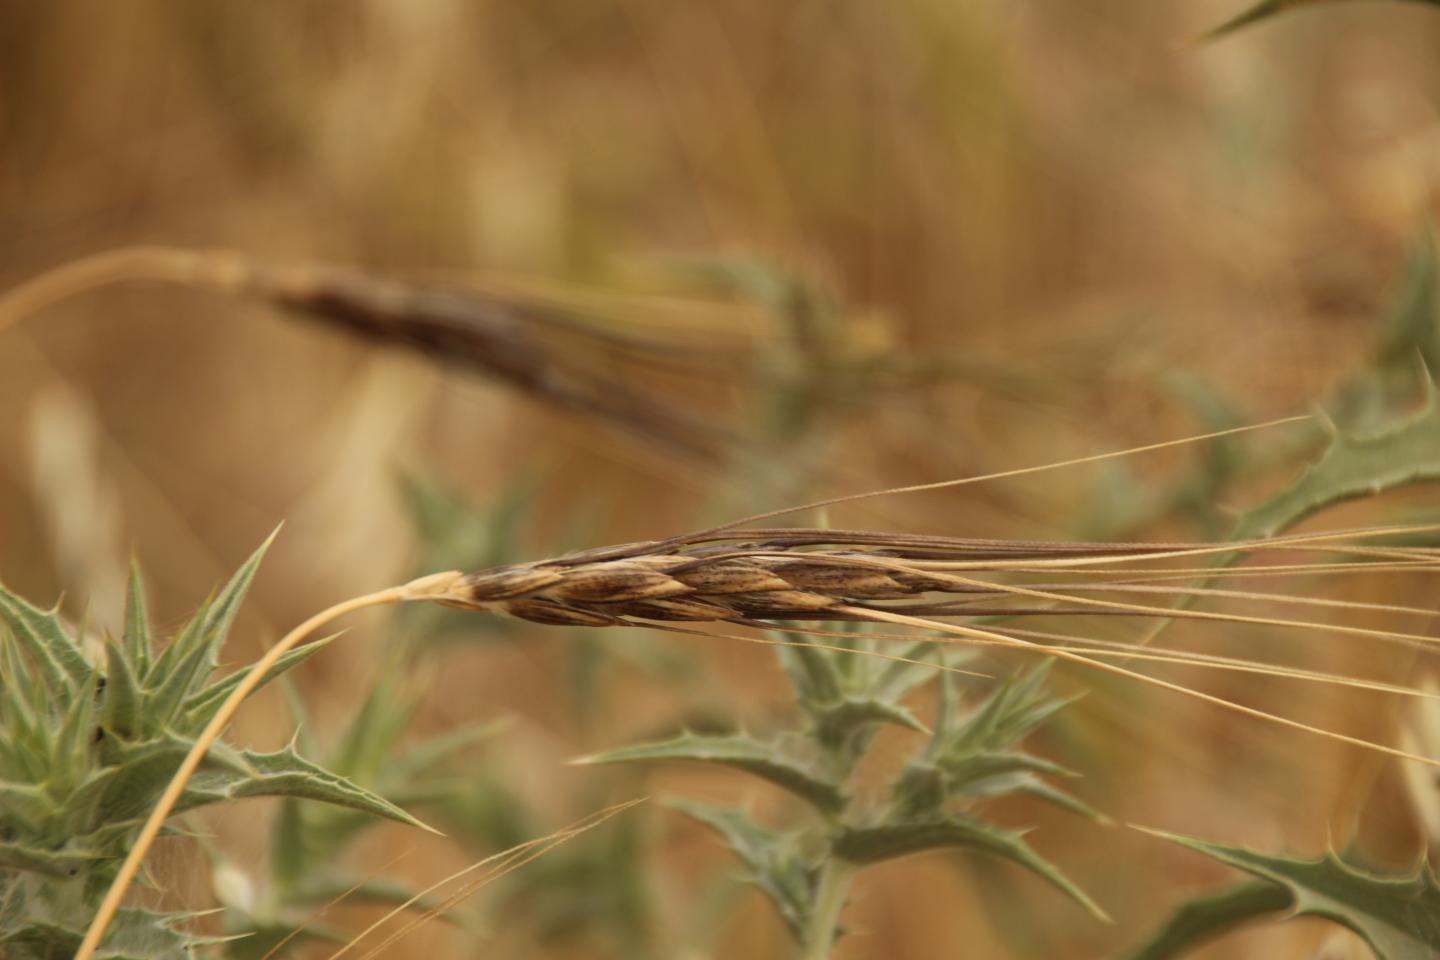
(167, 264)
(415, 590)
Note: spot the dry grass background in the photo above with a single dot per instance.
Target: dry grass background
(1065, 199)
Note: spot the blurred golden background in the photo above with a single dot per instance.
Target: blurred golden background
(875, 244)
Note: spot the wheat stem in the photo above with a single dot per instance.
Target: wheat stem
(165, 264)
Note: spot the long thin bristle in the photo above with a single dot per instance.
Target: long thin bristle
(761, 577)
(1017, 472)
(1060, 653)
(500, 865)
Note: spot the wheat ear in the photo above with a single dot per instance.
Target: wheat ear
(495, 336)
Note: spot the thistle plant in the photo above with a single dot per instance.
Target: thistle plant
(846, 696)
(1397, 915)
(273, 912)
(87, 748)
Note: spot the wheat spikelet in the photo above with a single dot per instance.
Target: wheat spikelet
(725, 576)
(815, 575)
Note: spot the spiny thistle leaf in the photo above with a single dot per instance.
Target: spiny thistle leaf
(122, 710)
(188, 661)
(1007, 715)
(834, 722)
(888, 841)
(765, 760)
(986, 775)
(72, 746)
(28, 802)
(220, 613)
(134, 935)
(773, 859)
(197, 709)
(164, 667)
(180, 677)
(42, 919)
(1398, 916)
(968, 758)
(285, 773)
(1204, 918)
(971, 770)
(845, 696)
(1378, 451)
(1388, 452)
(130, 776)
(1355, 465)
(52, 863)
(137, 624)
(55, 654)
(1035, 787)
(812, 672)
(972, 756)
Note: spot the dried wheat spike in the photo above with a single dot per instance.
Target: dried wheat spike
(791, 574)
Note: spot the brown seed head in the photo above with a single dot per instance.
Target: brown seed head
(615, 581)
(502, 583)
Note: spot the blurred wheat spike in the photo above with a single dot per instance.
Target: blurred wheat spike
(555, 354)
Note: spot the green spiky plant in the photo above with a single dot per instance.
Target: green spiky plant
(1398, 916)
(846, 695)
(274, 913)
(87, 747)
